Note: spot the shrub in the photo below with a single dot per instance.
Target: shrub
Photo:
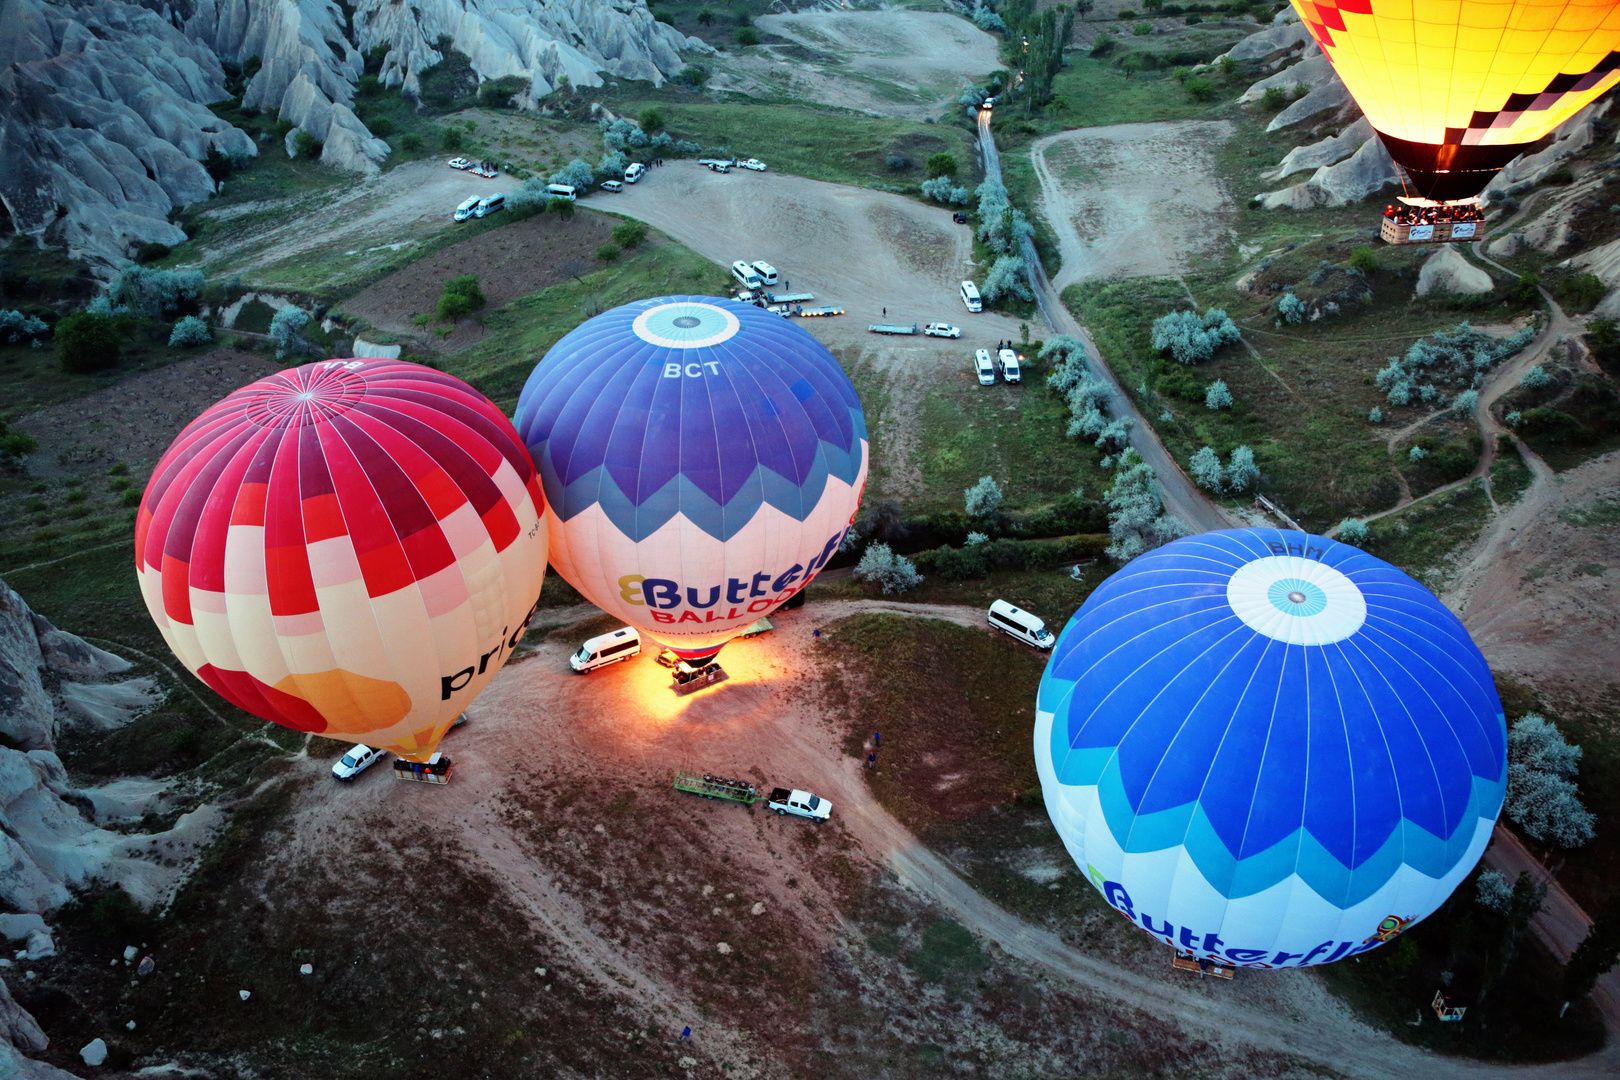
(189, 332)
(1535, 378)
(15, 327)
(1416, 454)
(747, 35)
(452, 139)
(693, 75)
(664, 17)
(1206, 470)
(743, 18)
(563, 208)
(130, 498)
(287, 331)
(1200, 89)
(1274, 99)
(1006, 278)
(880, 565)
(460, 298)
(988, 21)
(381, 126)
(1364, 259)
(1190, 337)
(1241, 471)
(576, 174)
(1460, 357)
(411, 142)
(1353, 531)
(1465, 402)
(896, 162)
(608, 253)
(940, 189)
(1103, 44)
(1142, 29)
(1375, 415)
(1541, 794)
(1218, 396)
(983, 498)
(1580, 293)
(154, 292)
(652, 121)
(87, 342)
(1492, 891)
(16, 444)
(150, 253)
(630, 234)
(1561, 175)
(307, 146)
(1526, 291)
(612, 164)
(1194, 20)
(1136, 518)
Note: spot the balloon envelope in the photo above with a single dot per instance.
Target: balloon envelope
(703, 460)
(1459, 89)
(349, 548)
(1270, 748)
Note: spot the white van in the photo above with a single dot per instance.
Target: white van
(468, 209)
(766, 272)
(490, 204)
(562, 191)
(984, 368)
(746, 275)
(1020, 624)
(1008, 362)
(970, 296)
(633, 173)
(605, 650)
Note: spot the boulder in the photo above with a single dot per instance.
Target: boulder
(1446, 271)
(18, 927)
(1505, 246)
(94, 1052)
(18, 1027)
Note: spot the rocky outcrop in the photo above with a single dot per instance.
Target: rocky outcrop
(1276, 44)
(1328, 151)
(1604, 262)
(1368, 170)
(1568, 139)
(103, 123)
(1448, 273)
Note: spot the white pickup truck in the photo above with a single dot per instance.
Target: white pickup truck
(801, 803)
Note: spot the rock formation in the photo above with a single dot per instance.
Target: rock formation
(1448, 273)
(103, 103)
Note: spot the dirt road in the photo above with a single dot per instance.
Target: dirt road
(1181, 497)
(1133, 200)
(887, 63)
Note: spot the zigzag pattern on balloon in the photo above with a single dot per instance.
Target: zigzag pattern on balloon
(680, 495)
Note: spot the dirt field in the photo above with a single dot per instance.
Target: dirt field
(521, 258)
(890, 63)
(1134, 200)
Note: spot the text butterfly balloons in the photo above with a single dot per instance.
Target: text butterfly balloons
(349, 548)
(1268, 748)
(1459, 89)
(703, 459)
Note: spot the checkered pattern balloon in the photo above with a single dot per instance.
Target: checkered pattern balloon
(350, 548)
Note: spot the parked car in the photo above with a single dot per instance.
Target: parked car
(359, 758)
(633, 173)
(802, 803)
(941, 329)
(611, 185)
(959, 217)
(719, 167)
(754, 164)
(460, 163)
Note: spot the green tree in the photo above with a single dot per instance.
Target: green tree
(461, 297)
(451, 139)
(630, 234)
(1274, 98)
(652, 121)
(87, 342)
(747, 35)
(563, 208)
(608, 253)
(942, 164)
(1364, 259)
(1596, 953)
(706, 17)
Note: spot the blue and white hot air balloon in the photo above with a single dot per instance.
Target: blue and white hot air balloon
(1268, 748)
(703, 459)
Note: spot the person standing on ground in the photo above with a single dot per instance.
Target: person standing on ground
(871, 761)
(686, 1035)
(877, 739)
(885, 313)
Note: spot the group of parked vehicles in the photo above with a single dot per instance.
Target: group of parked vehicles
(478, 206)
(486, 169)
(1004, 362)
(725, 165)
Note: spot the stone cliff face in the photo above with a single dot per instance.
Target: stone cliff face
(103, 103)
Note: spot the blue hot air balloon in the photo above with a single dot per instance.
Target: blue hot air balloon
(703, 460)
(1268, 748)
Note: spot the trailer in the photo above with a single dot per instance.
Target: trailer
(816, 312)
(435, 770)
(757, 628)
(790, 298)
(893, 328)
(710, 786)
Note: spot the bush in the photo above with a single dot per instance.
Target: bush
(1603, 338)
(1290, 309)
(747, 35)
(150, 253)
(130, 498)
(1218, 396)
(307, 146)
(154, 292)
(612, 164)
(1561, 175)
(1241, 471)
(988, 21)
(983, 498)
(1541, 795)
(1535, 378)
(15, 327)
(452, 139)
(576, 174)
(1103, 45)
(287, 331)
(1460, 357)
(16, 444)
(381, 126)
(1006, 278)
(1142, 29)
(498, 93)
(1274, 99)
(1206, 470)
(189, 332)
(1416, 454)
(941, 190)
(1190, 337)
(1580, 293)
(411, 142)
(460, 298)
(608, 253)
(880, 565)
(563, 208)
(1375, 415)
(1364, 259)
(630, 234)
(1200, 89)
(1353, 531)
(652, 121)
(896, 162)
(1136, 518)
(664, 17)
(87, 342)
(693, 75)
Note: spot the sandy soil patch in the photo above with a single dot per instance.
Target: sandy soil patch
(1133, 200)
(521, 258)
(136, 419)
(888, 63)
(881, 257)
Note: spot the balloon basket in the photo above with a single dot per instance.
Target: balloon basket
(689, 679)
(1193, 965)
(435, 770)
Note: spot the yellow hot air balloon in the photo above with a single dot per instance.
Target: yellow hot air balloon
(1459, 88)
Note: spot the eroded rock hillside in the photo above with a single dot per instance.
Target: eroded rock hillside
(104, 124)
